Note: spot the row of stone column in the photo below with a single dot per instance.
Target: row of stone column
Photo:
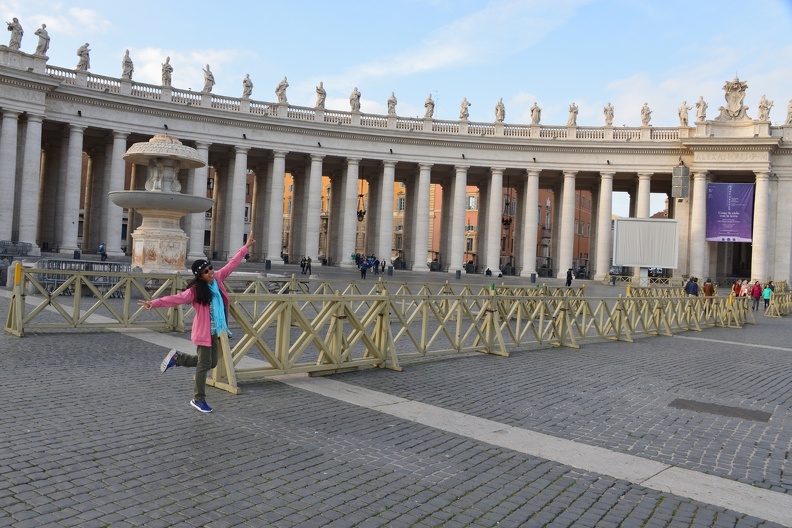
(267, 212)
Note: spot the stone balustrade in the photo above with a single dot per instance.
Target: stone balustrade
(321, 115)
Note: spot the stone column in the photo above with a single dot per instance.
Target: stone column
(420, 243)
(698, 224)
(8, 159)
(759, 262)
(642, 209)
(31, 181)
(494, 211)
(260, 220)
(275, 233)
(566, 240)
(456, 250)
(198, 182)
(385, 224)
(313, 212)
(604, 214)
(348, 220)
(114, 215)
(530, 224)
(237, 202)
(70, 221)
(299, 207)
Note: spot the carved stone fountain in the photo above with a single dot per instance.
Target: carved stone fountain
(159, 244)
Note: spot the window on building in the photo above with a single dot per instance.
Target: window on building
(398, 228)
(472, 204)
(247, 213)
(400, 204)
(470, 227)
(468, 244)
(503, 243)
(398, 242)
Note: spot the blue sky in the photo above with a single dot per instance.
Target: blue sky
(626, 52)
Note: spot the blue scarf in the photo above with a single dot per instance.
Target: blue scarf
(217, 310)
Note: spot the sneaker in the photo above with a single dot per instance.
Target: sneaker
(201, 406)
(169, 361)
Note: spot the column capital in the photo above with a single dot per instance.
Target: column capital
(36, 118)
(279, 154)
(425, 166)
(77, 128)
(201, 145)
(570, 173)
(120, 135)
(533, 173)
(700, 174)
(353, 161)
(762, 175)
(645, 175)
(493, 170)
(317, 157)
(389, 164)
(241, 150)
(461, 168)
(13, 114)
(607, 175)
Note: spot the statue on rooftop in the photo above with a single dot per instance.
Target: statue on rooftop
(84, 52)
(354, 100)
(464, 112)
(789, 113)
(209, 80)
(683, 113)
(764, 109)
(247, 86)
(167, 70)
(44, 40)
(701, 109)
(573, 112)
(500, 111)
(392, 104)
(16, 34)
(429, 104)
(127, 67)
(321, 95)
(280, 91)
(646, 115)
(608, 111)
(536, 114)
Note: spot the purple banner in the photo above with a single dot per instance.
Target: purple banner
(730, 212)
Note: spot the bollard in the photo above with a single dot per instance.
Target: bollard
(267, 264)
(533, 278)
(458, 274)
(77, 254)
(390, 271)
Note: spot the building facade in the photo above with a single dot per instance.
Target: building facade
(58, 124)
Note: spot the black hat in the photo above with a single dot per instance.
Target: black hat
(199, 265)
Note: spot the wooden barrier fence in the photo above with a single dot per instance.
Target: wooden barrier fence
(285, 327)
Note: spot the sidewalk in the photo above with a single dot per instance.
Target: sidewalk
(612, 434)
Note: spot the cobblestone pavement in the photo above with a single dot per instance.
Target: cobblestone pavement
(94, 435)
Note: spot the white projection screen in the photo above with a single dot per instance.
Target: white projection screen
(646, 243)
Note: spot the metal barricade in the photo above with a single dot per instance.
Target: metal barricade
(97, 273)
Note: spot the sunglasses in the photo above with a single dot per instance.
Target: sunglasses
(207, 269)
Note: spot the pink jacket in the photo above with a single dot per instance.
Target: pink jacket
(202, 323)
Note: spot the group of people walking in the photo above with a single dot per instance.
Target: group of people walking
(305, 265)
(755, 291)
(371, 262)
(740, 289)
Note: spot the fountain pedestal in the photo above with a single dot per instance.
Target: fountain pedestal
(160, 244)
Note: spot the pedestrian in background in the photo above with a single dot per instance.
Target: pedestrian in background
(756, 294)
(569, 278)
(210, 301)
(766, 294)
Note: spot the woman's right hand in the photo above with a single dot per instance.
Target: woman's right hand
(145, 304)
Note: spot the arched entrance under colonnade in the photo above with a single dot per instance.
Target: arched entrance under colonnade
(63, 133)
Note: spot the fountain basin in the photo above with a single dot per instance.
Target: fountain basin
(161, 200)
